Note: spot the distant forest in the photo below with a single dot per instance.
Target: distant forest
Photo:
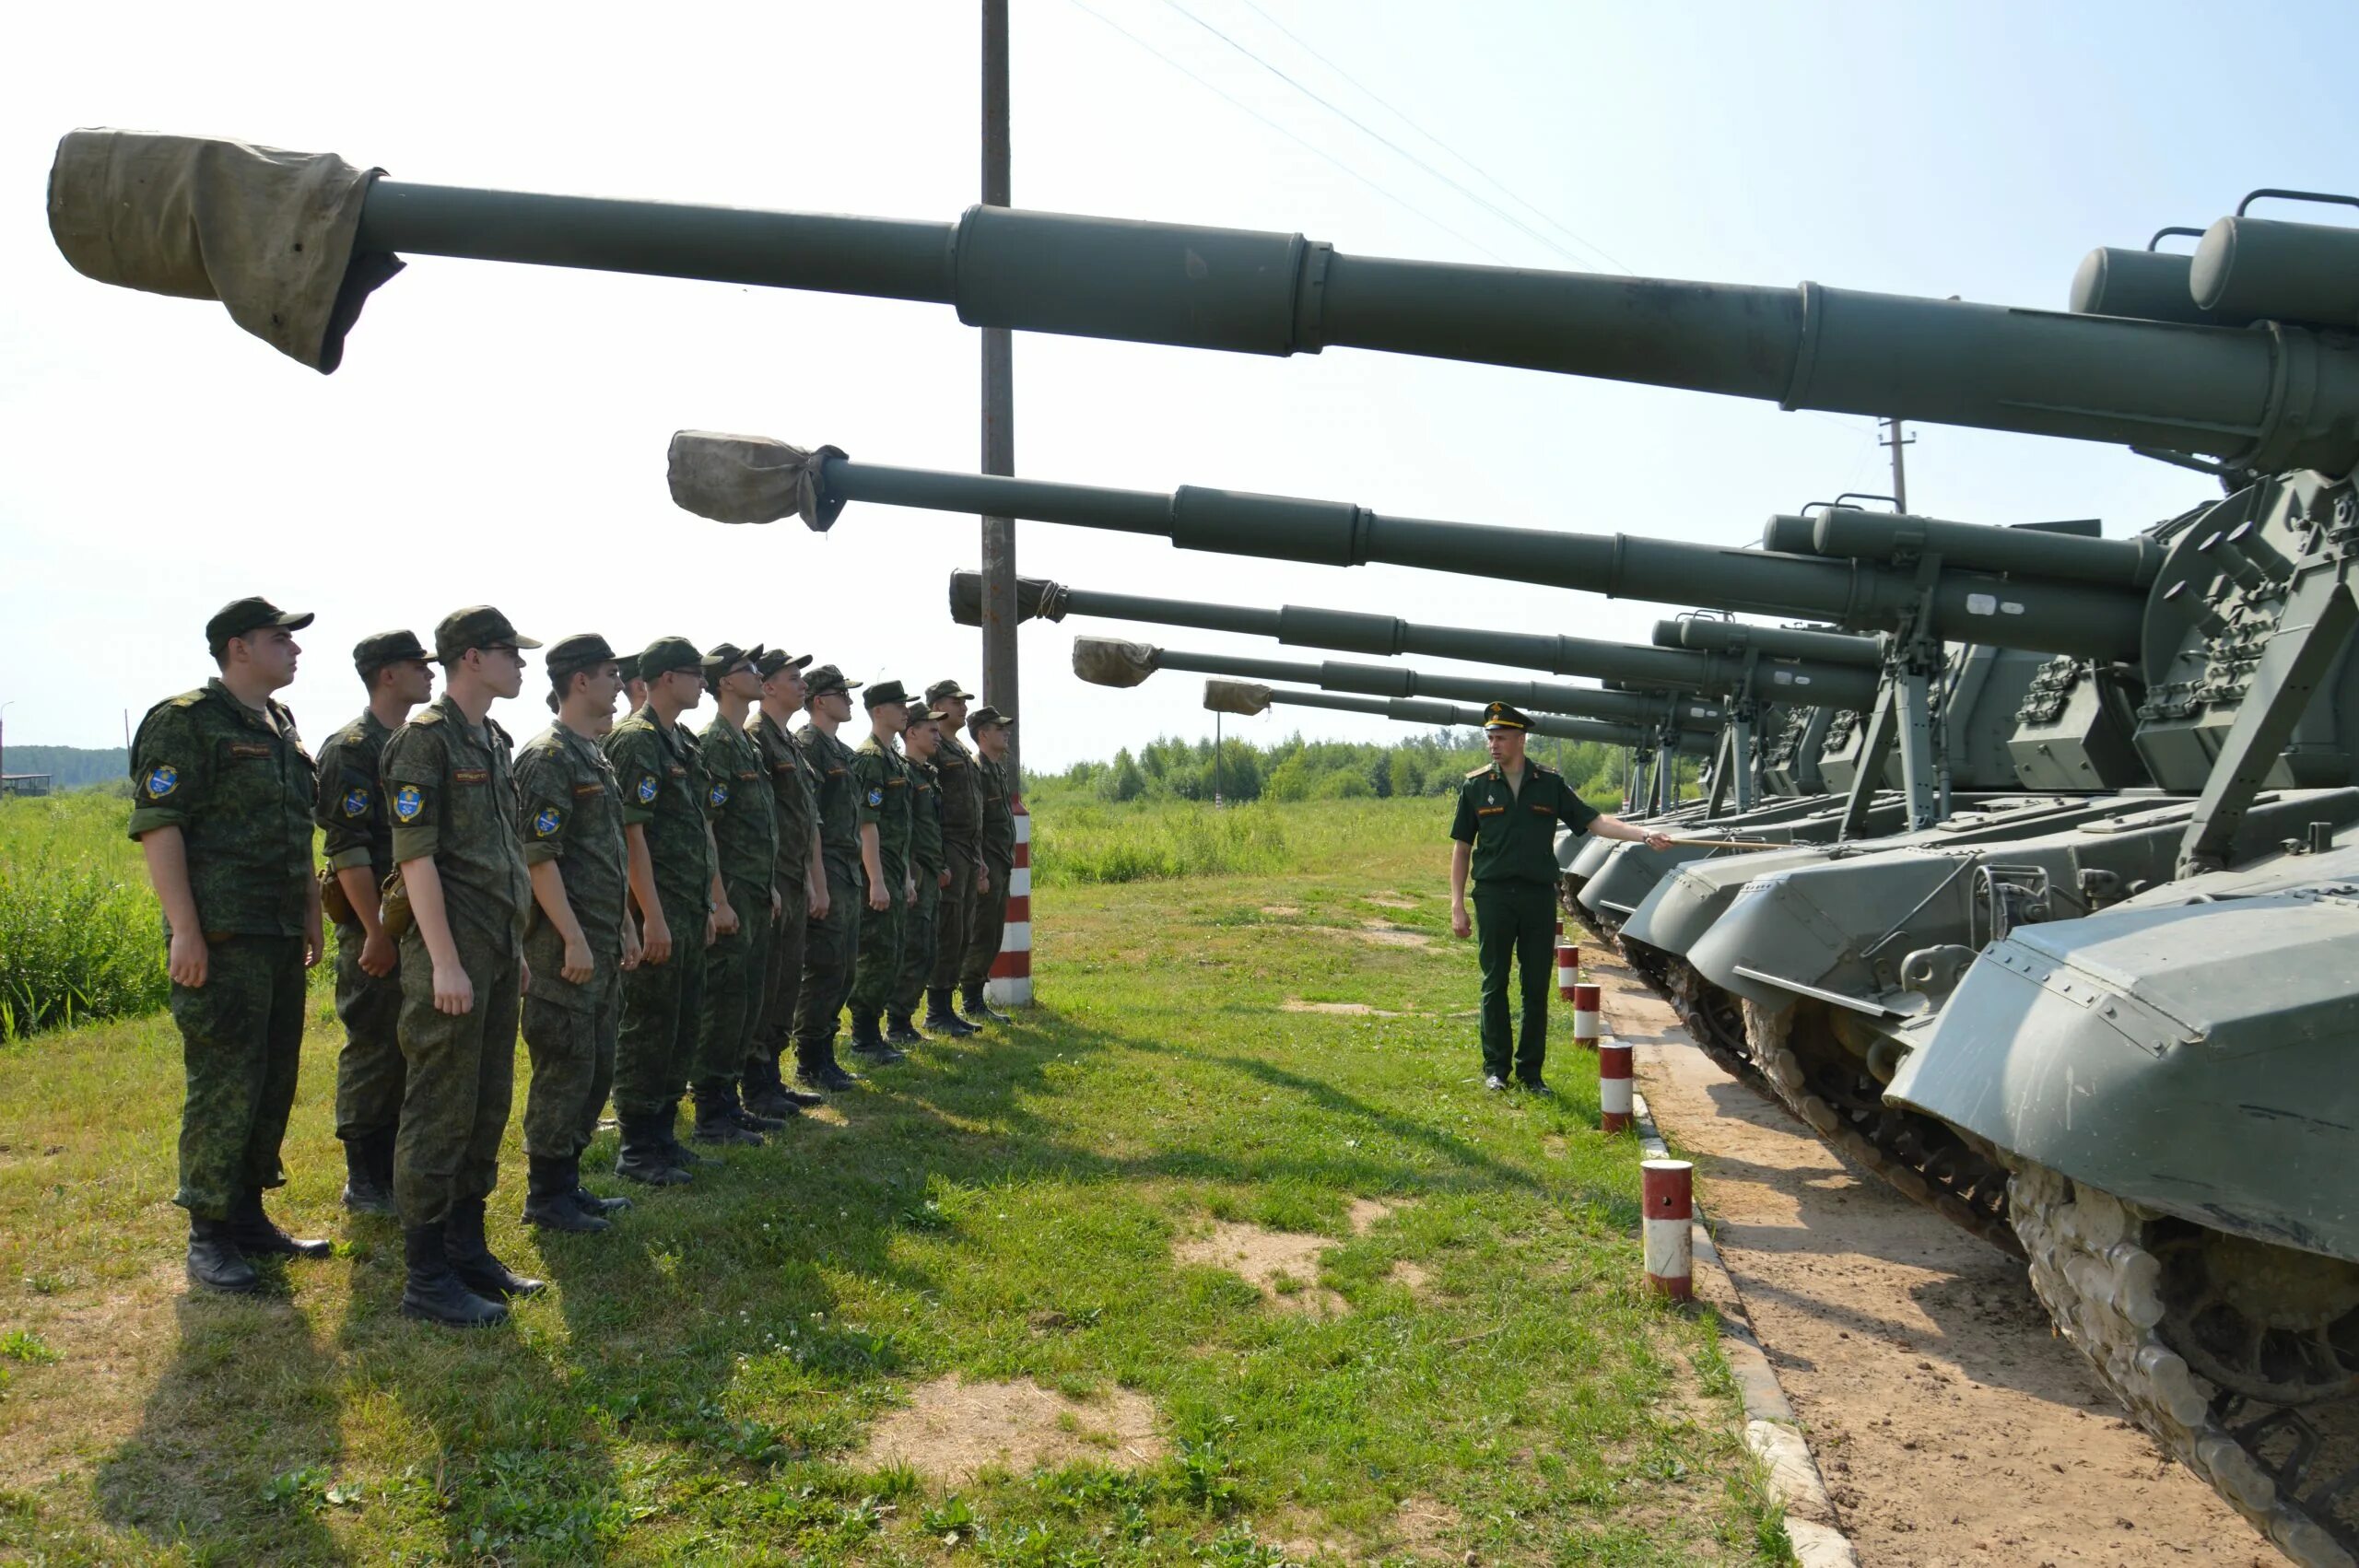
(69, 767)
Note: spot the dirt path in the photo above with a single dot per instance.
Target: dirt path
(1953, 1426)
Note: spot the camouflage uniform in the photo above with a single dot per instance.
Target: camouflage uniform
(791, 810)
(745, 832)
(926, 864)
(662, 778)
(350, 809)
(960, 784)
(238, 786)
(570, 811)
(998, 845)
(832, 950)
(880, 787)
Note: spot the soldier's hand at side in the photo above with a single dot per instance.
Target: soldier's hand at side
(523, 976)
(1459, 925)
(189, 960)
(821, 902)
(942, 879)
(316, 938)
(777, 904)
(711, 929)
(454, 992)
(982, 877)
(655, 944)
(578, 966)
(724, 920)
(377, 955)
(630, 945)
(909, 892)
(878, 899)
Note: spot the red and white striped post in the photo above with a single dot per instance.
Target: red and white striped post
(1568, 965)
(1011, 978)
(1613, 1088)
(1668, 1191)
(1585, 1009)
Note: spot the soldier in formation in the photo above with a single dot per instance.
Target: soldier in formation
(658, 912)
(996, 838)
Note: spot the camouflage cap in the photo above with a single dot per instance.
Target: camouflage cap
(477, 626)
(371, 654)
(582, 650)
(723, 657)
(667, 654)
(826, 678)
(628, 663)
(241, 615)
(921, 714)
(943, 690)
(884, 692)
(985, 718)
(773, 660)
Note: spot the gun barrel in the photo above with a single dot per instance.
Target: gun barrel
(1709, 635)
(2046, 551)
(1236, 697)
(2085, 619)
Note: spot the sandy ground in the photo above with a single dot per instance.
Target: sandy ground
(1952, 1424)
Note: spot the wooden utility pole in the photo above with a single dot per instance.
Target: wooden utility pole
(999, 410)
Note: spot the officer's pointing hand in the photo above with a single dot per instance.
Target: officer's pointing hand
(1656, 840)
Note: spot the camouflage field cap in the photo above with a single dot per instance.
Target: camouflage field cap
(944, 691)
(667, 654)
(477, 626)
(773, 660)
(628, 663)
(582, 650)
(241, 615)
(723, 657)
(371, 654)
(985, 718)
(884, 692)
(826, 678)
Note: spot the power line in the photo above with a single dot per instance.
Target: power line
(1292, 135)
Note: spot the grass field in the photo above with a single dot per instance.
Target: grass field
(757, 1369)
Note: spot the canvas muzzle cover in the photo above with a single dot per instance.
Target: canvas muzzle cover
(1109, 661)
(750, 479)
(1236, 697)
(268, 233)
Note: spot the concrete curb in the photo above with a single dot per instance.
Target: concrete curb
(1771, 1430)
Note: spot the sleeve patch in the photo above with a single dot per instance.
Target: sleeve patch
(546, 821)
(718, 793)
(409, 803)
(356, 802)
(875, 796)
(647, 790)
(161, 781)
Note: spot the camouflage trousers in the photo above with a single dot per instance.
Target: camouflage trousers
(735, 967)
(241, 1035)
(782, 977)
(831, 954)
(662, 1003)
(920, 926)
(880, 953)
(990, 923)
(461, 1078)
(954, 918)
(572, 1051)
(369, 1068)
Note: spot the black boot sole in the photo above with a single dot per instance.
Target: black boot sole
(425, 1314)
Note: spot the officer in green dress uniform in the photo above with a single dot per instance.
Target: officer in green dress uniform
(832, 939)
(1506, 833)
(996, 839)
(959, 783)
(799, 877)
(930, 871)
(450, 782)
(221, 807)
(881, 783)
(358, 839)
(580, 939)
(745, 834)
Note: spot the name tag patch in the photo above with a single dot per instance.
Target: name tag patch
(248, 748)
(470, 775)
(581, 790)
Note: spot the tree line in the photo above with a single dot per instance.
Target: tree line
(1425, 763)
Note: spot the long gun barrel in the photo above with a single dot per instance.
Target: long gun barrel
(1710, 635)
(2275, 399)
(1107, 662)
(1351, 631)
(1247, 698)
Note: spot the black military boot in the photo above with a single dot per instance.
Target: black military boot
(434, 1291)
(869, 1043)
(471, 1258)
(747, 1116)
(717, 1123)
(900, 1030)
(645, 1157)
(367, 1180)
(817, 1068)
(942, 1019)
(979, 1009)
(550, 1202)
(214, 1261)
(590, 1203)
(765, 1091)
(254, 1236)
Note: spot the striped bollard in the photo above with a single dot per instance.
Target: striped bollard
(1614, 1086)
(1568, 968)
(1011, 978)
(1585, 1030)
(1668, 1188)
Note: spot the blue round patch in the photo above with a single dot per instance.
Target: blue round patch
(877, 797)
(647, 790)
(408, 803)
(547, 821)
(356, 802)
(718, 795)
(163, 781)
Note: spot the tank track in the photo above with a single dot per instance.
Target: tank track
(2293, 1471)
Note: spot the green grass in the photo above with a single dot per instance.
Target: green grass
(698, 1387)
(80, 934)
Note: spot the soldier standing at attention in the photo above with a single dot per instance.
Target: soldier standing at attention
(454, 803)
(930, 873)
(682, 907)
(831, 937)
(801, 881)
(580, 941)
(359, 842)
(634, 688)
(745, 834)
(881, 784)
(959, 788)
(994, 884)
(1506, 832)
(221, 792)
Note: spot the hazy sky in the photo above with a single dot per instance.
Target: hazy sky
(496, 433)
